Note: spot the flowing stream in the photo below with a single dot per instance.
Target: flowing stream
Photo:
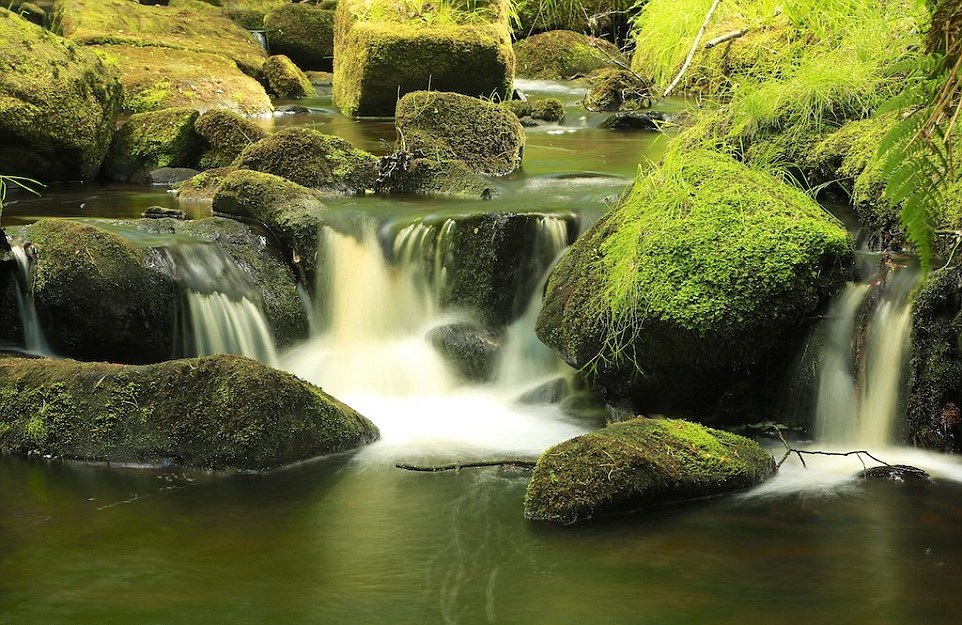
(34, 341)
(352, 539)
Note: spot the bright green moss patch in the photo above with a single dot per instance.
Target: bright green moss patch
(57, 104)
(285, 79)
(638, 464)
(220, 412)
(147, 141)
(561, 54)
(224, 135)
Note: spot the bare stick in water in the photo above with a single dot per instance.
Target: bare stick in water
(457, 466)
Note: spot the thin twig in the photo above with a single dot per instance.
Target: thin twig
(694, 48)
(735, 34)
(457, 466)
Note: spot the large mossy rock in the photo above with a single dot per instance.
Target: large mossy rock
(193, 26)
(638, 464)
(442, 126)
(303, 32)
(100, 297)
(223, 413)
(312, 159)
(249, 14)
(598, 16)
(57, 104)
(561, 54)
(146, 141)
(382, 53)
(428, 176)
(285, 79)
(293, 213)
(693, 283)
(224, 135)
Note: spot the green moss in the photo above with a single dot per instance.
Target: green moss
(432, 177)
(286, 80)
(98, 296)
(614, 89)
(379, 61)
(538, 15)
(147, 141)
(57, 104)
(545, 109)
(224, 136)
(219, 412)
(156, 78)
(192, 26)
(312, 159)
(700, 272)
(452, 126)
(250, 14)
(303, 32)
(201, 188)
(638, 464)
(561, 54)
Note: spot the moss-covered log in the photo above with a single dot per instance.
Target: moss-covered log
(219, 412)
(638, 464)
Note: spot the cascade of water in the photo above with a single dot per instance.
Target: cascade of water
(861, 379)
(34, 340)
(224, 311)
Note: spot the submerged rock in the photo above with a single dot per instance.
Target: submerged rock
(304, 32)
(382, 53)
(901, 473)
(484, 135)
(286, 80)
(697, 281)
(223, 413)
(471, 350)
(638, 464)
(312, 159)
(151, 140)
(57, 104)
(561, 54)
(631, 120)
(224, 135)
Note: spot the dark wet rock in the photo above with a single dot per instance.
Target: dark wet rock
(304, 32)
(901, 473)
(379, 60)
(551, 392)
(160, 212)
(561, 54)
(452, 126)
(547, 109)
(402, 173)
(55, 124)
(286, 80)
(169, 176)
(312, 159)
(224, 413)
(639, 464)
(471, 350)
(224, 135)
(633, 120)
(292, 109)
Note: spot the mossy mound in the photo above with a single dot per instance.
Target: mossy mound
(613, 89)
(250, 14)
(223, 413)
(99, 297)
(638, 464)
(562, 54)
(381, 54)
(545, 109)
(293, 213)
(158, 78)
(486, 136)
(692, 283)
(57, 104)
(201, 188)
(285, 79)
(224, 135)
(427, 176)
(303, 32)
(312, 159)
(598, 16)
(146, 141)
(192, 26)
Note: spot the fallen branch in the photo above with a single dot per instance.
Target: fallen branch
(457, 466)
(735, 34)
(694, 48)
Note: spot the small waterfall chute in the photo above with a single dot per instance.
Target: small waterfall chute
(34, 340)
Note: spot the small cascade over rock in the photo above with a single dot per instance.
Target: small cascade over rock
(861, 376)
(224, 314)
(34, 341)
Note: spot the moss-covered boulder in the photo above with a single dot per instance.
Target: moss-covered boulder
(224, 135)
(613, 89)
(57, 104)
(693, 283)
(249, 14)
(155, 78)
(293, 213)
(285, 79)
(304, 32)
(146, 141)
(486, 136)
(562, 54)
(428, 176)
(192, 26)
(312, 159)
(383, 51)
(100, 297)
(638, 464)
(223, 413)
(544, 109)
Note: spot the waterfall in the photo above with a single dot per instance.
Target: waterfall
(34, 340)
(861, 381)
(224, 312)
